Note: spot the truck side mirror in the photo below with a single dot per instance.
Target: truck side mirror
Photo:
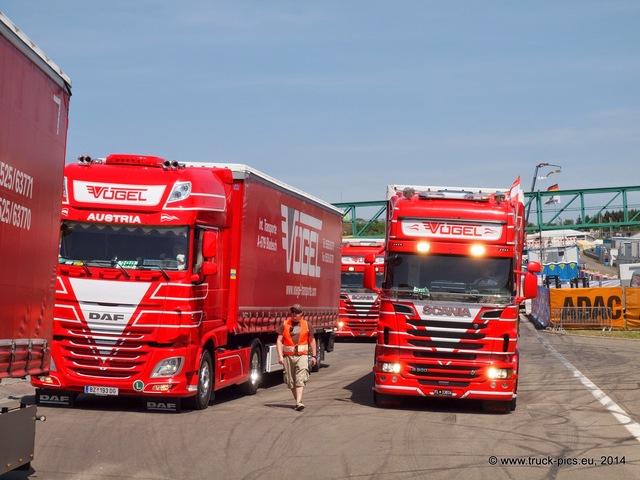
(209, 244)
(369, 274)
(534, 267)
(209, 268)
(209, 252)
(530, 285)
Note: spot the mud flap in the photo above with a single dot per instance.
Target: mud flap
(494, 406)
(55, 398)
(329, 341)
(163, 405)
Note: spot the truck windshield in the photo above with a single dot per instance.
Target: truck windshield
(450, 277)
(124, 246)
(352, 282)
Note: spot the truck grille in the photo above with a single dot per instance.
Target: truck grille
(360, 316)
(450, 335)
(360, 310)
(103, 355)
(448, 349)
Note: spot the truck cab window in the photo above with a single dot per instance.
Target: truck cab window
(127, 246)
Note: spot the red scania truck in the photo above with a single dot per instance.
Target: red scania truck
(173, 278)
(34, 110)
(359, 306)
(450, 297)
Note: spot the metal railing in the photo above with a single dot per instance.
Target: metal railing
(582, 317)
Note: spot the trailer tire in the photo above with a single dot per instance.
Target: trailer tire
(204, 393)
(319, 355)
(255, 370)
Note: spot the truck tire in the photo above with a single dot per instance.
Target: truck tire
(255, 370)
(319, 355)
(205, 383)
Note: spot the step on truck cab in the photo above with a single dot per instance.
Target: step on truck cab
(449, 305)
(173, 278)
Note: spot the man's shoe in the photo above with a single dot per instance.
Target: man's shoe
(300, 407)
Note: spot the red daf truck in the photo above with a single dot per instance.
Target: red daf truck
(34, 109)
(359, 306)
(173, 279)
(450, 298)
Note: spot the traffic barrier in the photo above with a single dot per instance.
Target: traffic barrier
(582, 317)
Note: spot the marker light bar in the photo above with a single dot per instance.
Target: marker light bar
(137, 160)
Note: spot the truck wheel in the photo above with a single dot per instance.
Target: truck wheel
(319, 355)
(205, 383)
(255, 370)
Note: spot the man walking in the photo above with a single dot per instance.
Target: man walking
(295, 336)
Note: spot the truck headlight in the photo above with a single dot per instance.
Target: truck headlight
(168, 367)
(388, 367)
(499, 373)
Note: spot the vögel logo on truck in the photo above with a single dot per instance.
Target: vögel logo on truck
(451, 230)
(116, 194)
(301, 234)
(127, 194)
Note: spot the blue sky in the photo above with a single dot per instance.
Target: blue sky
(340, 98)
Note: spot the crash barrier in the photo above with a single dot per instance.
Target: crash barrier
(556, 281)
(579, 282)
(623, 302)
(552, 280)
(582, 317)
(595, 277)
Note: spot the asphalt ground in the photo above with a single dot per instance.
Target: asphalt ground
(577, 418)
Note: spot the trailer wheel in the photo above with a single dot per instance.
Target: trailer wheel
(255, 370)
(319, 355)
(205, 383)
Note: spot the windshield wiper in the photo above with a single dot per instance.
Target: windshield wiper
(110, 263)
(155, 267)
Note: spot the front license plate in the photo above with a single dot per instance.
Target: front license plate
(443, 393)
(101, 390)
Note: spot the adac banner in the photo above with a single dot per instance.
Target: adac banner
(610, 297)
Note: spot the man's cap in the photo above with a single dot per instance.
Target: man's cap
(296, 308)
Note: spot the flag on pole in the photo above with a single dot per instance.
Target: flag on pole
(515, 192)
(551, 201)
(553, 188)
